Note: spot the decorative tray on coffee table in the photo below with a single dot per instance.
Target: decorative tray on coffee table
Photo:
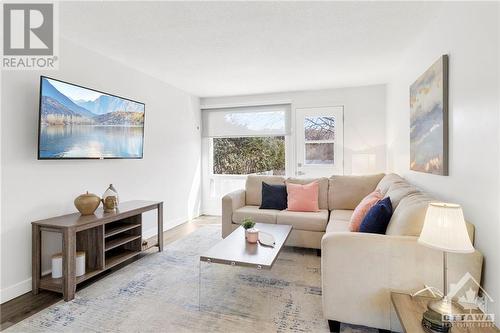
(266, 239)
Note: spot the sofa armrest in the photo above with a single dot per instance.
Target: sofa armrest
(231, 202)
(359, 270)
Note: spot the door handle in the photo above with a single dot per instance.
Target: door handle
(300, 173)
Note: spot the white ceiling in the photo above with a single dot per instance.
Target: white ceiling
(231, 48)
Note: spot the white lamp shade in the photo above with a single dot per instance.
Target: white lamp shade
(445, 229)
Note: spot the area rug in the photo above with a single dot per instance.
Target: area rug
(161, 293)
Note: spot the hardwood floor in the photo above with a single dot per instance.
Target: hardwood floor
(28, 304)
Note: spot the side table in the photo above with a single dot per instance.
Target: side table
(410, 310)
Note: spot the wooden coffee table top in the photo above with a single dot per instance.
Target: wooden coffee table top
(410, 310)
(235, 250)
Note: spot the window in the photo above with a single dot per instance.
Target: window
(319, 133)
(238, 141)
(247, 140)
(247, 155)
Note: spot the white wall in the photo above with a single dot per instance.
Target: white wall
(32, 189)
(468, 33)
(364, 123)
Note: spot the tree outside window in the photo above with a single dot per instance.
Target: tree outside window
(248, 155)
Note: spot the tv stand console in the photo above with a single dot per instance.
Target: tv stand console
(108, 239)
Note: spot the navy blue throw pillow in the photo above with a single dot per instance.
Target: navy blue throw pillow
(273, 196)
(377, 218)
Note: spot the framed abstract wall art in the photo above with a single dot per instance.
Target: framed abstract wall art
(429, 120)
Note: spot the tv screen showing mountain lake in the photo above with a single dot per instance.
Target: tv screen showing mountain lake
(76, 122)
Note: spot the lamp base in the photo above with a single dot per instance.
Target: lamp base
(432, 323)
(440, 315)
(448, 310)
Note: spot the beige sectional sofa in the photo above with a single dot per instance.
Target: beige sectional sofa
(358, 270)
(308, 227)
(338, 196)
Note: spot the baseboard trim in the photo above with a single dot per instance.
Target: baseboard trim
(15, 290)
(148, 233)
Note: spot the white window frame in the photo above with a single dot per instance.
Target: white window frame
(210, 202)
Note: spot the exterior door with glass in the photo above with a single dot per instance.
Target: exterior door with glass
(319, 141)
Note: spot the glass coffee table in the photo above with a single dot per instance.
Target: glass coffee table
(235, 274)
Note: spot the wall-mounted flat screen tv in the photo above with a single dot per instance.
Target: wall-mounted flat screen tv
(82, 123)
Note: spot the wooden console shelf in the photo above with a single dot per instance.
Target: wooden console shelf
(108, 239)
(111, 244)
(119, 228)
(119, 258)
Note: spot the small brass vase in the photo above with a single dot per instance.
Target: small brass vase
(87, 203)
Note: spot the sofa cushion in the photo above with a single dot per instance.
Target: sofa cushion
(338, 226)
(378, 217)
(253, 187)
(273, 196)
(341, 215)
(310, 221)
(387, 181)
(258, 215)
(339, 220)
(397, 191)
(303, 198)
(408, 217)
(323, 188)
(346, 192)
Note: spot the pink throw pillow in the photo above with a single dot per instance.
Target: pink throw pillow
(362, 209)
(303, 198)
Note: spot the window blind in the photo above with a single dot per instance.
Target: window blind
(266, 120)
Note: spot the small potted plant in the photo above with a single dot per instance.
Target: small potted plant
(251, 233)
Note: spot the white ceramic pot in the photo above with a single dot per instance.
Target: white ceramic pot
(80, 263)
(57, 264)
(252, 235)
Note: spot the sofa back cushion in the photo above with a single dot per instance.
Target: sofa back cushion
(346, 192)
(253, 187)
(408, 218)
(409, 215)
(323, 188)
(399, 190)
(387, 181)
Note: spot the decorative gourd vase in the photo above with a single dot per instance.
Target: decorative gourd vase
(111, 192)
(87, 203)
(252, 235)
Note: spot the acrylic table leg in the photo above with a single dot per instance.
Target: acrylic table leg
(199, 286)
(267, 308)
(36, 260)
(69, 253)
(160, 227)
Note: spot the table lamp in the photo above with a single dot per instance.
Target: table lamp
(445, 230)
